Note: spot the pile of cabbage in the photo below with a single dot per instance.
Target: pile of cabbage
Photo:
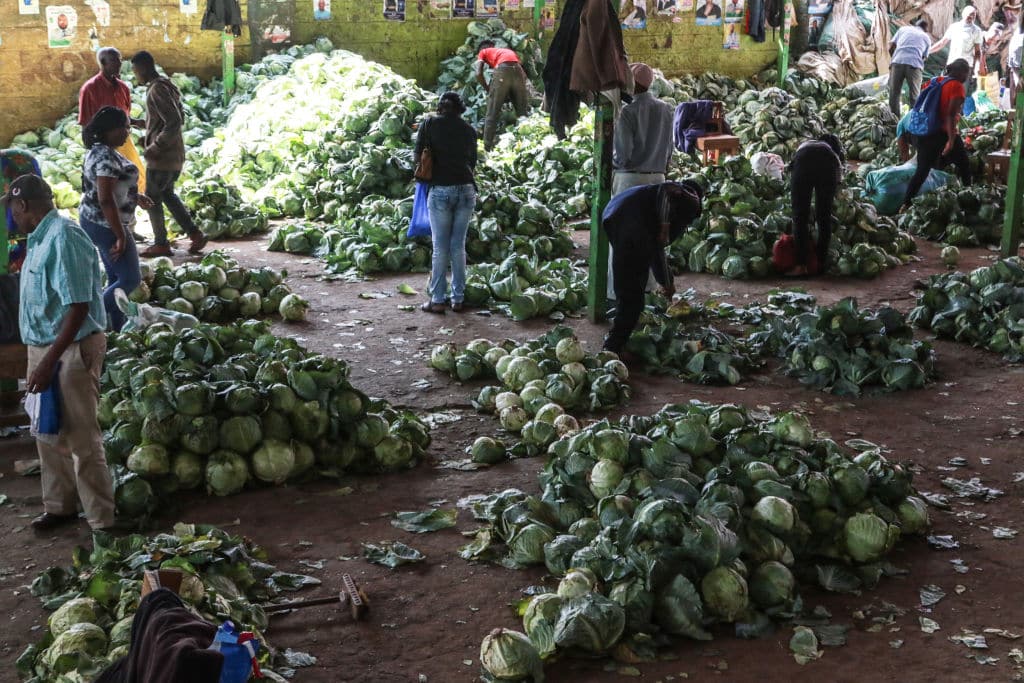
(93, 601)
(541, 380)
(745, 213)
(984, 308)
(959, 216)
(772, 120)
(219, 211)
(224, 407)
(865, 125)
(665, 525)
(845, 350)
(218, 289)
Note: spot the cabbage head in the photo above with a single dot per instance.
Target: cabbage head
(569, 350)
(80, 642)
(443, 357)
(611, 444)
(520, 371)
(526, 546)
(549, 412)
(605, 478)
(662, 519)
(240, 434)
(201, 434)
(559, 551)
(149, 461)
(725, 593)
(293, 308)
(371, 430)
(678, 609)
(393, 453)
(867, 538)
(913, 513)
(226, 473)
(510, 656)
(772, 585)
(577, 582)
(590, 623)
(273, 462)
(188, 469)
(75, 611)
(488, 451)
(637, 601)
(539, 622)
(794, 429)
(566, 425)
(507, 399)
(776, 514)
(513, 419)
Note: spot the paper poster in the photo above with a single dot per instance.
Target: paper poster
(709, 13)
(529, 4)
(634, 15)
(486, 9)
(462, 9)
(321, 10)
(734, 10)
(685, 5)
(394, 10)
(511, 5)
(188, 6)
(61, 22)
(547, 15)
(819, 8)
(101, 10)
(28, 6)
(444, 7)
(814, 26)
(667, 8)
(732, 36)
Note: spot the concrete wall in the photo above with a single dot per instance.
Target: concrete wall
(39, 84)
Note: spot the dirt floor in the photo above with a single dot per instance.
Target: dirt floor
(427, 621)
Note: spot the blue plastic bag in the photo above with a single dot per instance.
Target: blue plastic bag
(49, 405)
(239, 657)
(887, 187)
(419, 226)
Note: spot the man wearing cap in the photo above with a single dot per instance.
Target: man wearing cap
(965, 40)
(642, 143)
(508, 81)
(62, 319)
(641, 222)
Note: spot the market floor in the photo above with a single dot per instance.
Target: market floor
(427, 621)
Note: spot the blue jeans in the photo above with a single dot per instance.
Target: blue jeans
(450, 209)
(121, 274)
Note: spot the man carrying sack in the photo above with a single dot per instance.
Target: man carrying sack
(62, 319)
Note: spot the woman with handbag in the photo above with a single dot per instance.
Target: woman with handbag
(446, 152)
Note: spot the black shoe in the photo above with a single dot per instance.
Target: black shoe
(49, 521)
(139, 239)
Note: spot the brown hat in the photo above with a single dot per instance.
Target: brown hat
(28, 187)
(643, 75)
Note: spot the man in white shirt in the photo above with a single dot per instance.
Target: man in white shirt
(965, 39)
(909, 48)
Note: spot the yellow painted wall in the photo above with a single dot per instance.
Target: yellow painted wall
(39, 84)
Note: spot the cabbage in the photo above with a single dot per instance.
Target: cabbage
(240, 434)
(133, 496)
(443, 357)
(507, 399)
(725, 593)
(226, 473)
(795, 429)
(187, 469)
(194, 399)
(488, 451)
(776, 514)
(678, 610)
(510, 656)
(662, 519)
(539, 433)
(548, 413)
(193, 291)
(559, 551)
(605, 477)
(273, 462)
(121, 633)
(180, 305)
(576, 582)
(539, 622)
(950, 256)
(393, 453)
(249, 304)
(485, 400)
(479, 346)
(293, 308)
(566, 425)
(304, 458)
(867, 537)
(534, 398)
(75, 611)
(569, 350)
(80, 642)
(913, 513)
(513, 419)
(371, 430)
(772, 585)
(526, 546)
(201, 434)
(611, 444)
(520, 371)
(149, 461)
(637, 602)
(576, 372)
(852, 483)
(590, 622)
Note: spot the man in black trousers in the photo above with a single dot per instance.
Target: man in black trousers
(640, 223)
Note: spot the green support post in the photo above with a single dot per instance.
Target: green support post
(597, 282)
(1014, 184)
(783, 62)
(227, 49)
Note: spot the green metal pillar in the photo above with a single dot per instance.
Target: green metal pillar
(1014, 185)
(227, 49)
(5, 238)
(783, 61)
(597, 287)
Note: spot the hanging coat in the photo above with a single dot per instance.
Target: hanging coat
(561, 103)
(221, 13)
(600, 60)
(755, 20)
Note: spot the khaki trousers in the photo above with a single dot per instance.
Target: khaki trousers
(75, 467)
(622, 181)
(507, 83)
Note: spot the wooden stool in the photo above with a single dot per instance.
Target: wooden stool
(997, 166)
(715, 145)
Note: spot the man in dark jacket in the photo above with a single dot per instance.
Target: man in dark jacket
(164, 152)
(640, 223)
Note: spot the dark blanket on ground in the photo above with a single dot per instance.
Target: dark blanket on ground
(169, 645)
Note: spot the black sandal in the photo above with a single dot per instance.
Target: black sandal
(431, 307)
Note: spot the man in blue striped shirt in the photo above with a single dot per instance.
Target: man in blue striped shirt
(62, 319)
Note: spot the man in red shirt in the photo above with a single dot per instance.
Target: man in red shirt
(106, 89)
(943, 147)
(508, 82)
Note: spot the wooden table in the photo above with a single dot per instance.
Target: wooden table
(714, 145)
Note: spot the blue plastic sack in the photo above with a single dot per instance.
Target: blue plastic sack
(419, 226)
(239, 658)
(887, 187)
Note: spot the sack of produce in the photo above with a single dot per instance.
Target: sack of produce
(887, 187)
(766, 163)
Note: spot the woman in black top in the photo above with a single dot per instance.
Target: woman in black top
(817, 170)
(452, 144)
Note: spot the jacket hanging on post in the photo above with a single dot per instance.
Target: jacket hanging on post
(600, 60)
(221, 13)
(560, 102)
(755, 20)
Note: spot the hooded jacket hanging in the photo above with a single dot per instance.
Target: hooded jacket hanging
(221, 13)
(562, 104)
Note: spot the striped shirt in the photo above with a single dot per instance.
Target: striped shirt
(61, 268)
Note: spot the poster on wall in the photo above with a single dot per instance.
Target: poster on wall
(732, 36)
(101, 10)
(709, 13)
(394, 10)
(188, 6)
(463, 9)
(487, 9)
(667, 8)
(444, 7)
(28, 6)
(814, 26)
(634, 15)
(61, 22)
(734, 10)
(819, 8)
(511, 5)
(321, 10)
